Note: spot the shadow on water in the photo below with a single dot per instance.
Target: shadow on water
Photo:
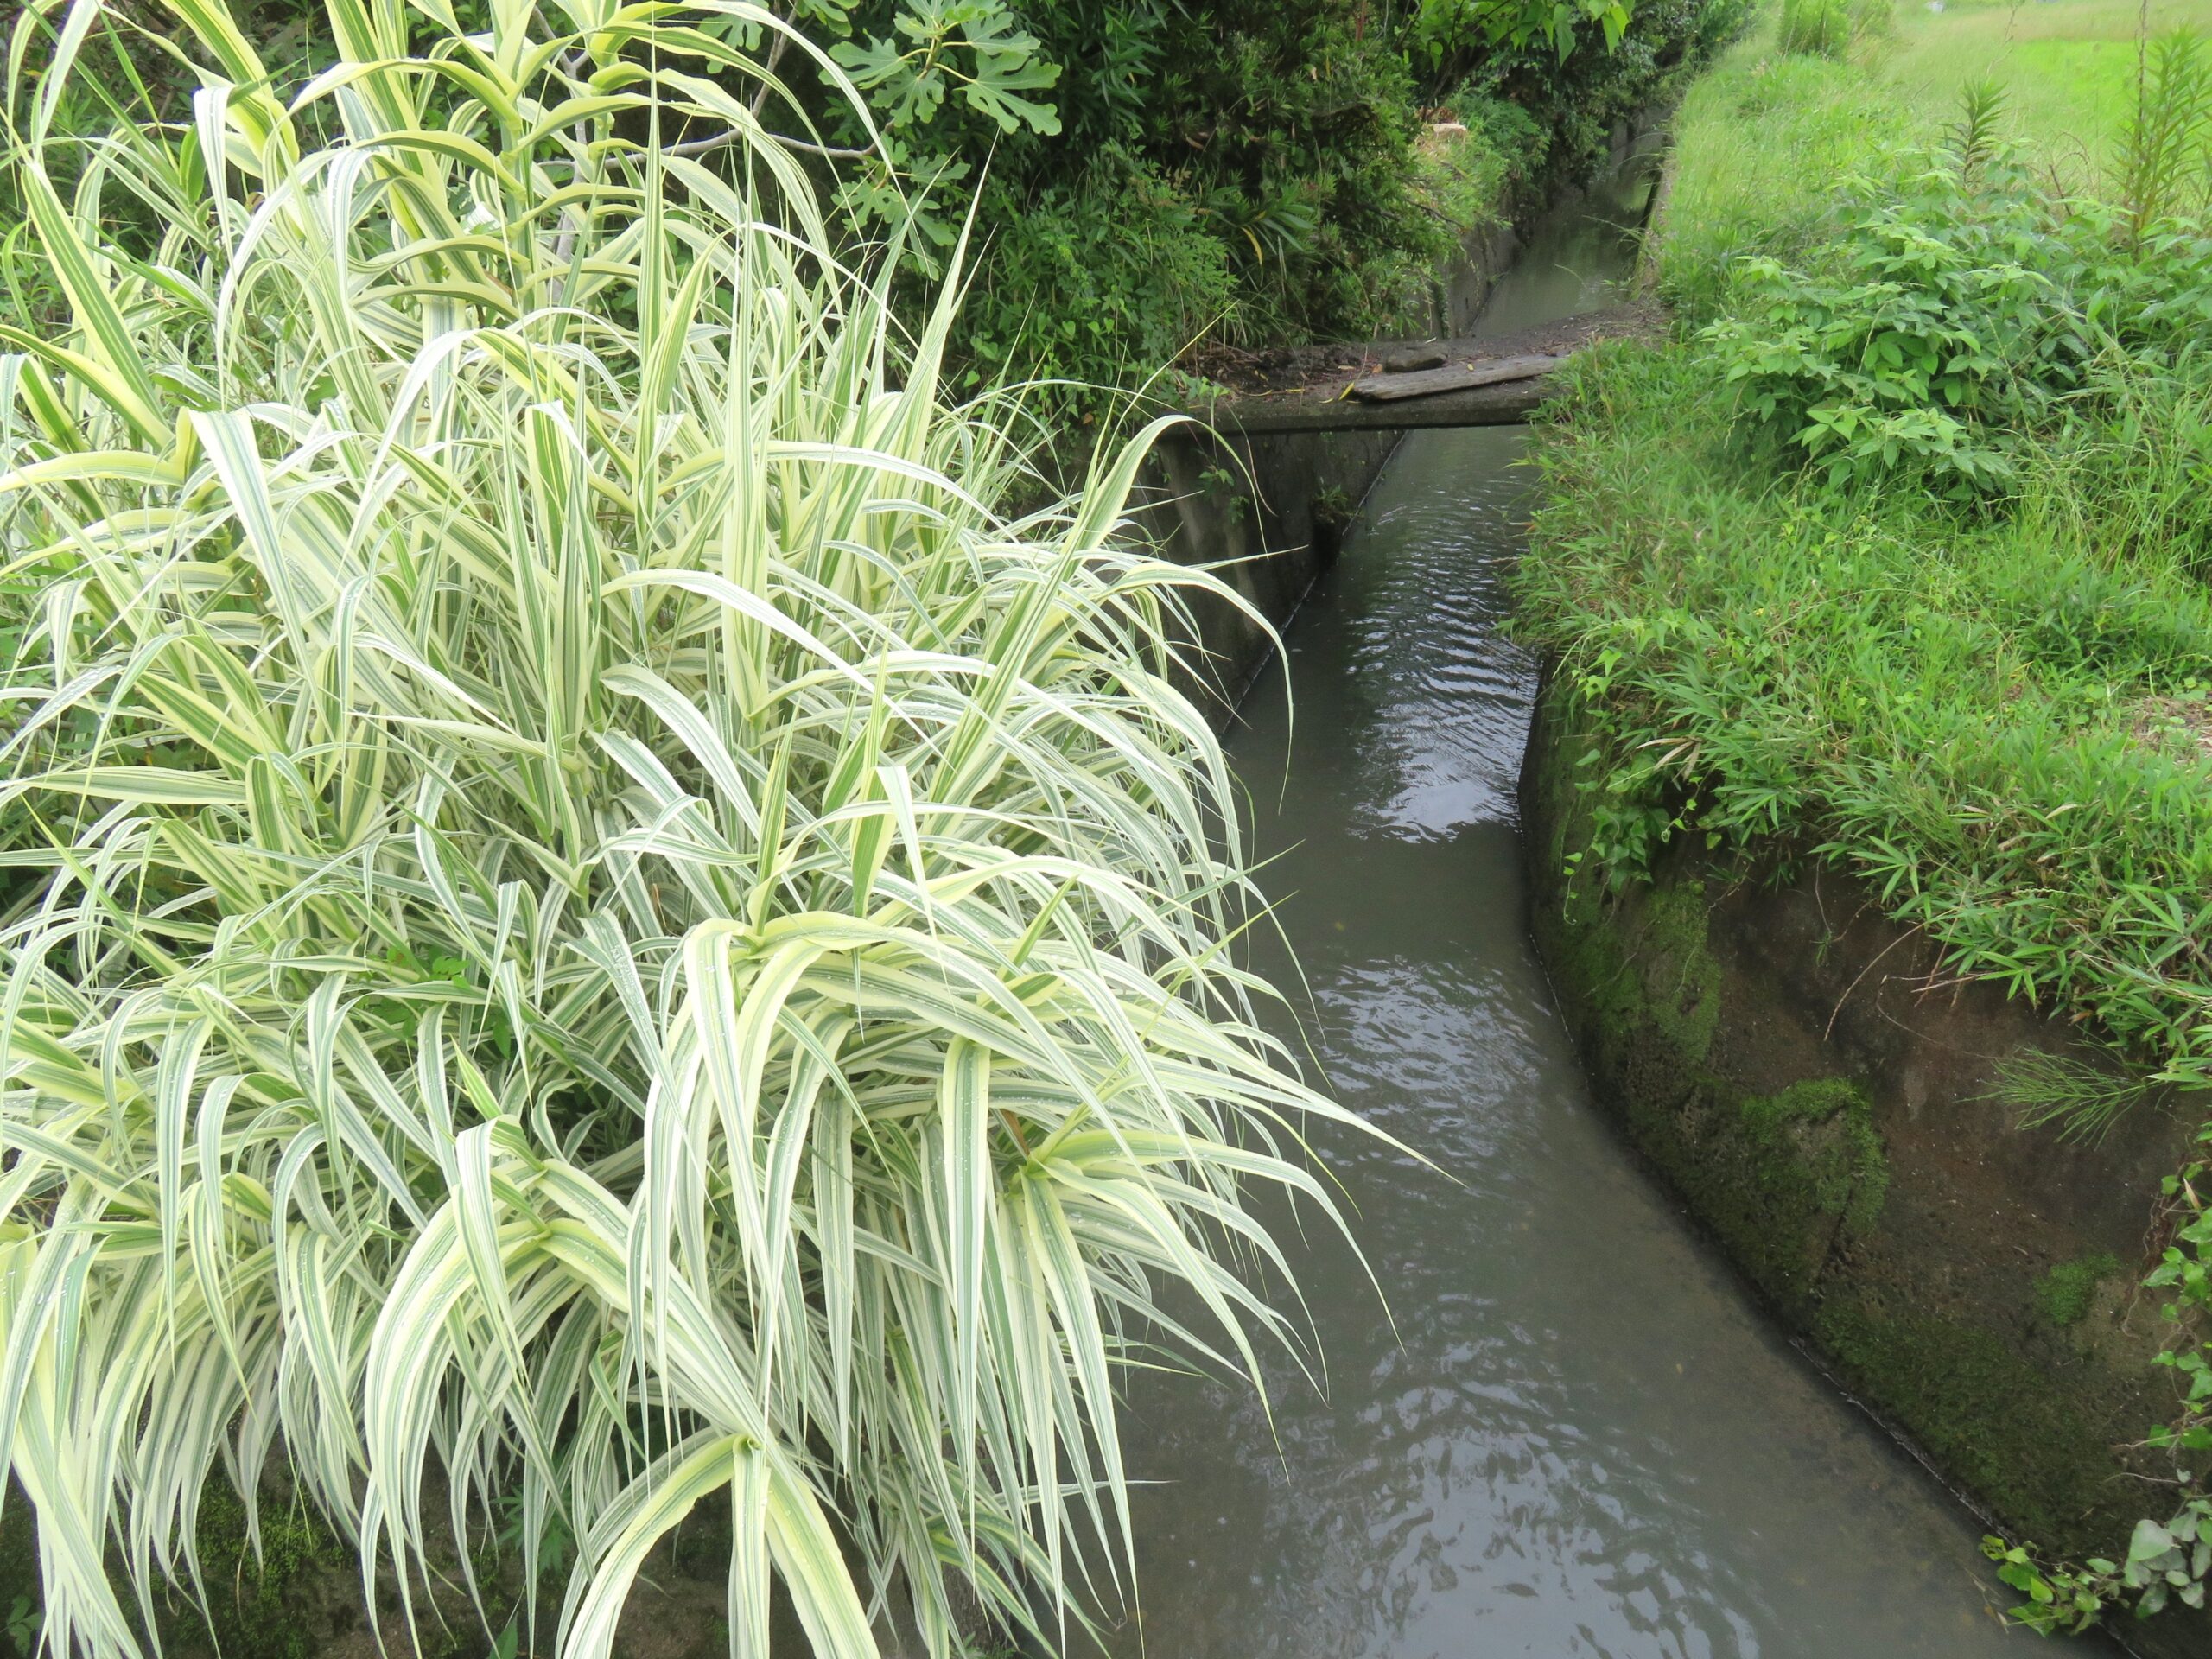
(1581, 1437)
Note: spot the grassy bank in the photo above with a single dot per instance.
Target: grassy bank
(1895, 553)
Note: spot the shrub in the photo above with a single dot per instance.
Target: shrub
(608, 922)
(1958, 322)
(1094, 284)
(1920, 339)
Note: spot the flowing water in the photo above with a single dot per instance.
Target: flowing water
(1581, 1437)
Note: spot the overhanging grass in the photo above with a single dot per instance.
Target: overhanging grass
(1988, 719)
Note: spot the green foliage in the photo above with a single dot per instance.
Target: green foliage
(1262, 171)
(1145, 174)
(1797, 664)
(1153, 174)
(1292, 128)
(1440, 28)
(1932, 338)
(939, 46)
(623, 910)
(2184, 1270)
(2083, 1101)
(1094, 284)
(1762, 145)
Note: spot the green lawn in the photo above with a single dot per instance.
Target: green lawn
(1763, 141)
(2068, 68)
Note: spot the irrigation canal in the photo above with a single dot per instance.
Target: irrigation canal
(1581, 1437)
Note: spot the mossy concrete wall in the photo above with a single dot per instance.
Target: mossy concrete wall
(1801, 1071)
(1268, 514)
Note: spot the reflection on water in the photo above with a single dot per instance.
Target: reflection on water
(1580, 1439)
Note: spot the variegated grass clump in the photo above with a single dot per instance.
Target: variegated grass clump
(605, 922)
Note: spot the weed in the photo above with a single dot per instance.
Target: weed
(1974, 139)
(24, 1623)
(1831, 29)
(2082, 1101)
(2164, 163)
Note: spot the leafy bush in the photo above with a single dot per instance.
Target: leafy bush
(608, 923)
(1096, 283)
(1930, 335)
(1443, 29)
(1959, 322)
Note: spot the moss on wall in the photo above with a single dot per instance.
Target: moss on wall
(303, 1588)
(2063, 1294)
(1782, 1178)
(1787, 1179)
(19, 1593)
(1989, 1418)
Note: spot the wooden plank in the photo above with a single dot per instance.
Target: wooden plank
(1458, 377)
(1505, 404)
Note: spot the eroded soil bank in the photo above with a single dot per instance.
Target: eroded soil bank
(1822, 1096)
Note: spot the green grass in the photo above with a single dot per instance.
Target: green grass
(2068, 67)
(1962, 710)
(1991, 701)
